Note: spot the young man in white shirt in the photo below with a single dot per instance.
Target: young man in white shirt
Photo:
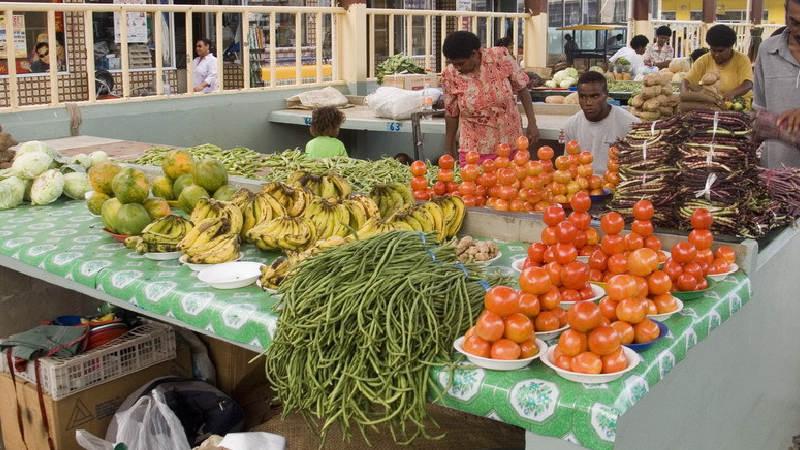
(598, 125)
(204, 68)
(633, 53)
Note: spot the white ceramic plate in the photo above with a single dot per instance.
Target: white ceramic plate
(499, 364)
(232, 275)
(598, 291)
(665, 316)
(550, 335)
(166, 256)
(633, 360)
(518, 263)
(198, 267)
(267, 290)
(489, 261)
(732, 269)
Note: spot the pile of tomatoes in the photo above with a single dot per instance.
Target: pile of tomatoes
(692, 260)
(504, 330)
(592, 344)
(445, 184)
(574, 174)
(611, 177)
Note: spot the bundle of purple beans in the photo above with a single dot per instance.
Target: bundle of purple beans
(783, 186)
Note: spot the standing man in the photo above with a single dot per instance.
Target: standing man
(598, 125)
(660, 53)
(776, 87)
(570, 48)
(633, 54)
(204, 68)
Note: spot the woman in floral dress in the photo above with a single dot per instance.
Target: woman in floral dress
(479, 87)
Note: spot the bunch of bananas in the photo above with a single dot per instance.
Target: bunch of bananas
(284, 233)
(293, 200)
(391, 198)
(427, 217)
(163, 235)
(212, 241)
(280, 269)
(376, 225)
(361, 209)
(330, 218)
(454, 211)
(256, 208)
(208, 208)
(329, 186)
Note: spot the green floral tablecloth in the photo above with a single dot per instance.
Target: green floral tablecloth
(65, 240)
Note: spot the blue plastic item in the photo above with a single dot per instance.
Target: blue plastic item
(639, 348)
(67, 321)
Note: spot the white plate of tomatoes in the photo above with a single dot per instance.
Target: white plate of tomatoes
(633, 359)
(500, 364)
(732, 268)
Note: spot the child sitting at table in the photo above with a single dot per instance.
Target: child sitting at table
(325, 123)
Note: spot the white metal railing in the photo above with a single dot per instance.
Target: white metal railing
(690, 35)
(87, 10)
(430, 27)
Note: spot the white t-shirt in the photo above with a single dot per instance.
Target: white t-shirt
(205, 70)
(636, 60)
(597, 137)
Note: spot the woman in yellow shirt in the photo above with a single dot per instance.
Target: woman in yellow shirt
(734, 68)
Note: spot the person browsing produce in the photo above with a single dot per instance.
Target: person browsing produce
(599, 124)
(734, 69)
(660, 53)
(632, 54)
(325, 124)
(777, 86)
(479, 87)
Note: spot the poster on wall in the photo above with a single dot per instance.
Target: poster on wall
(137, 24)
(20, 50)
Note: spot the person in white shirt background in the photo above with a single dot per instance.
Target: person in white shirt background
(204, 68)
(633, 53)
(598, 125)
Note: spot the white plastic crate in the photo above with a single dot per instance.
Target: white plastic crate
(138, 349)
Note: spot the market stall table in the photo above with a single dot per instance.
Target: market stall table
(117, 149)
(64, 244)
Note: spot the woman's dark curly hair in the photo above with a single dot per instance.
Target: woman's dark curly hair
(326, 121)
(460, 45)
(721, 36)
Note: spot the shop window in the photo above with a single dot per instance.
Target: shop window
(141, 38)
(31, 48)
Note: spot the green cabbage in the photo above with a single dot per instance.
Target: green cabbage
(98, 157)
(12, 191)
(47, 187)
(82, 159)
(32, 164)
(76, 185)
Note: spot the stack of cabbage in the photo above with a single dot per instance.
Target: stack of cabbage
(41, 175)
(563, 79)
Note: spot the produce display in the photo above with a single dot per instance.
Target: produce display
(359, 330)
(469, 249)
(591, 345)
(214, 239)
(505, 329)
(563, 79)
(656, 101)
(398, 63)
(237, 161)
(161, 236)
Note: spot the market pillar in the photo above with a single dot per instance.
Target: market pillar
(709, 11)
(756, 11)
(535, 46)
(641, 19)
(352, 46)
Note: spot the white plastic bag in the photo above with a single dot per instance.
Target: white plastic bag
(321, 97)
(395, 103)
(149, 424)
(253, 441)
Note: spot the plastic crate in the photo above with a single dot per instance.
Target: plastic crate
(140, 348)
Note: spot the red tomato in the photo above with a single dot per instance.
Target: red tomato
(545, 153)
(645, 331)
(572, 147)
(452, 187)
(595, 275)
(487, 179)
(445, 175)
(467, 188)
(421, 195)
(581, 202)
(536, 252)
(585, 157)
(529, 304)
(575, 275)
(643, 210)
(562, 163)
(507, 193)
(586, 362)
(447, 161)
(535, 280)
(631, 310)
(701, 219)
(521, 158)
(550, 255)
(550, 300)
(621, 287)
(615, 362)
(439, 188)
(643, 228)
(489, 166)
(534, 168)
(562, 316)
(549, 236)
(608, 308)
(501, 205)
(659, 283)
(686, 282)
(528, 349)
(702, 284)
(518, 328)
(625, 331)
(718, 267)
(653, 243)
(604, 340)
(612, 223)
(642, 289)
(673, 268)
(563, 362)
(418, 168)
(503, 150)
(582, 220)
(502, 300)
(419, 183)
(694, 269)
(727, 254)
(506, 176)
(554, 270)
(565, 253)
(598, 260)
(633, 241)
(566, 232)
(571, 295)
(580, 239)
(684, 252)
(572, 342)
(547, 321)
(612, 244)
(472, 157)
(470, 172)
(553, 215)
(642, 262)
(651, 307)
(617, 264)
(505, 349)
(489, 326)
(586, 292)
(665, 303)
(592, 237)
(701, 239)
(584, 316)
(704, 257)
(477, 346)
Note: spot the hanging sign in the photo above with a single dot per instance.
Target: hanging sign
(137, 23)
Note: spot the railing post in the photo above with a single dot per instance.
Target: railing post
(535, 34)
(11, 58)
(352, 48)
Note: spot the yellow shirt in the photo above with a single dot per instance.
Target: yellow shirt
(732, 74)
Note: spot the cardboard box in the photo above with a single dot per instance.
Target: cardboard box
(411, 82)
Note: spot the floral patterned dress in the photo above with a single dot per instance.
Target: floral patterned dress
(484, 102)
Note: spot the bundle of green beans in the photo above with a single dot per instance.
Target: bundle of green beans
(238, 161)
(361, 326)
